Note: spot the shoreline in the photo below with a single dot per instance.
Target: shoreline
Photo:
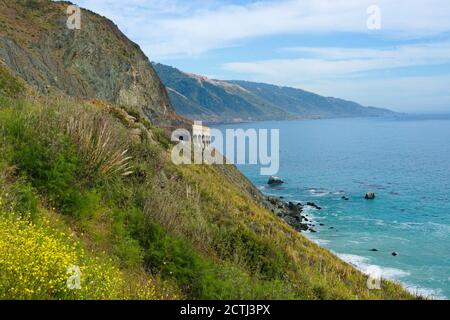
(298, 216)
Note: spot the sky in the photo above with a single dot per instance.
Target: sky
(385, 53)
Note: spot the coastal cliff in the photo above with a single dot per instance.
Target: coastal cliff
(85, 165)
(97, 61)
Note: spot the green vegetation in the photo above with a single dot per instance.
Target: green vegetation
(80, 184)
(91, 184)
(9, 85)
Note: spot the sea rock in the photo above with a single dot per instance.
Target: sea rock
(294, 207)
(273, 181)
(370, 196)
(374, 250)
(290, 212)
(312, 204)
(394, 254)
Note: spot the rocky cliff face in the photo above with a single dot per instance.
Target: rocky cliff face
(97, 61)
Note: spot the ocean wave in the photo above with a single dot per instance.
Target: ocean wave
(309, 210)
(363, 264)
(317, 192)
(435, 294)
(320, 242)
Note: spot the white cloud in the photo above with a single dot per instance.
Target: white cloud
(187, 29)
(343, 72)
(339, 62)
(174, 27)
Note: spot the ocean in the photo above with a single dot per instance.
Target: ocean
(405, 161)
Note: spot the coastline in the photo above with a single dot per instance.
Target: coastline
(300, 217)
(409, 218)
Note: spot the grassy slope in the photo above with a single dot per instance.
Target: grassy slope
(187, 231)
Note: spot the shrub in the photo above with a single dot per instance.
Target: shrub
(23, 199)
(99, 149)
(44, 155)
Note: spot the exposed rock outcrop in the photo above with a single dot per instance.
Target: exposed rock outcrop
(97, 61)
(289, 212)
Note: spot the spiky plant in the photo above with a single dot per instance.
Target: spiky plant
(98, 145)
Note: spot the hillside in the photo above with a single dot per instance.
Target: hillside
(97, 61)
(200, 98)
(86, 181)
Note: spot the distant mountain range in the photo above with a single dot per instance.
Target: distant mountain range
(200, 98)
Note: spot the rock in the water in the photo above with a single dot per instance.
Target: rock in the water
(394, 254)
(374, 250)
(273, 180)
(312, 204)
(370, 196)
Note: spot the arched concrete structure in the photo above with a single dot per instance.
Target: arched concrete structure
(201, 135)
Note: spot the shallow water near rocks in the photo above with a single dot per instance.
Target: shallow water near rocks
(405, 162)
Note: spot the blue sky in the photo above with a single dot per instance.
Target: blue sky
(323, 46)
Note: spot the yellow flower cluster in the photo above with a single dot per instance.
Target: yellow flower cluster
(34, 262)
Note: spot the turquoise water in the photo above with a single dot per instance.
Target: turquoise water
(405, 162)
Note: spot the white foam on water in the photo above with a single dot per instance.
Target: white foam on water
(317, 192)
(435, 294)
(320, 242)
(307, 210)
(363, 264)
